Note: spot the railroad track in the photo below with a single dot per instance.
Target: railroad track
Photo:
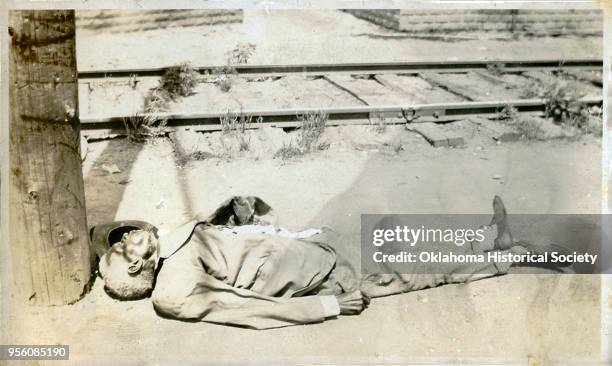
(287, 118)
(505, 66)
(361, 114)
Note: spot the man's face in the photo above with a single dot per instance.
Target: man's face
(128, 268)
(140, 244)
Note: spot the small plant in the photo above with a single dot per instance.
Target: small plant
(225, 75)
(562, 102)
(139, 127)
(133, 81)
(179, 80)
(311, 129)
(149, 123)
(182, 160)
(564, 106)
(236, 125)
(231, 123)
(225, 84)
(533, 89)
(509, 112)
(227, 149)
(241, 54)
(158, 100)
(288, 151)
(245, 143)
(379, 123)
(228, 122)
(529, 128)
(324, 146)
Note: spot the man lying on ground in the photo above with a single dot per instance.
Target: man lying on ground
(236, 268)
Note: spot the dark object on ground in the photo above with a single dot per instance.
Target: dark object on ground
(105, 235)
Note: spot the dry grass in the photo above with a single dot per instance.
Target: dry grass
(176, 82)
(240, 54)
(562, 103)
(137, 127)
(224, 76)
(311, 129)
(179, 81)
(236, 125)
(378, 123)
(237, 122)
(150, 123)
(183, 160)
(529, 129)
(287, 152)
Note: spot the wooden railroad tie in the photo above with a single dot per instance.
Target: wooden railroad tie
(436, 135)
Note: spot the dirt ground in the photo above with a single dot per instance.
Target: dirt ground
(307, 36)
(512, 318)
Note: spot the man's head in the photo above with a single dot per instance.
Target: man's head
(128, 268)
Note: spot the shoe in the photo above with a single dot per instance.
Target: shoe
(504, 238)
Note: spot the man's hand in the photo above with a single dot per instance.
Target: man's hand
(352, 303)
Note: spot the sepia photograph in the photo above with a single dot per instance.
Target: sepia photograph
(277, 183)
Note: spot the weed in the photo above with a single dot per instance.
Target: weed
(562, 102)
(241, 54)
(236, 125)
(509, 112)
(183, 160)
(224, 76)
(240, 122)
(529, 128)
(228, 122)
(288, 151)
(225, 84)
(565, 107)
(133, 81)
(324, 146)
(244, 144)
(149, 123)
(379, 123)
(311, 129)
(158, 100)
(140, 127)
(533, 89)
(179, 80)
(227, 149)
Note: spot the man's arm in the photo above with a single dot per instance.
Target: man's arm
(216, 302)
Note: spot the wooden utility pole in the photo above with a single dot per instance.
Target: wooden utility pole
(48, 227)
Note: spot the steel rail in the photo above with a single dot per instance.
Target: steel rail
(439, 112)
(366, 68)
